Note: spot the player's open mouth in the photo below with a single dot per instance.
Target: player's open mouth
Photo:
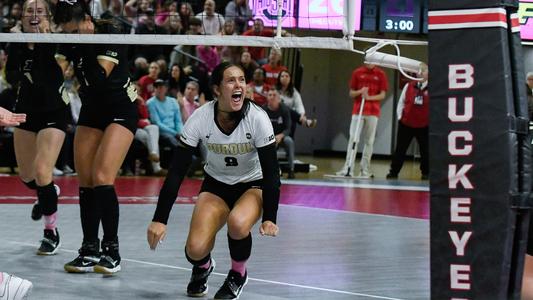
(237, 96)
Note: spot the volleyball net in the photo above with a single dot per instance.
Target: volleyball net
(286, 24)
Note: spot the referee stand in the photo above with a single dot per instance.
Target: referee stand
(479, 150)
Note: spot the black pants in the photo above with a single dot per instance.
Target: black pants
(403, 139)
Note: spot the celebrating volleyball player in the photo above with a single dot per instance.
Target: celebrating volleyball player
(32, 69)
(241, 181)
(106, 126)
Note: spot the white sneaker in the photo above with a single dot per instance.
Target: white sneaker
(343, 172)
(14, 288)
(365, 175)
(57, 172)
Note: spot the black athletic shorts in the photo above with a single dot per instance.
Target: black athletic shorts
(37, 121)
(100, 116)
(530, 238)
(229, 193)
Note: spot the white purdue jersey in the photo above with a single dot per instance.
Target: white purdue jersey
(230, 158)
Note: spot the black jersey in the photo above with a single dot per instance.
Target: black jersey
(36, 75)
(118, 86)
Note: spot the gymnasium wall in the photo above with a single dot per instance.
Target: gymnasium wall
(325, 96)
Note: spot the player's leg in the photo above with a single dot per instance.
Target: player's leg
(25, 148)
(48, 145)
(107, 161)
(209, 216)
(86, 141)
(243, 216)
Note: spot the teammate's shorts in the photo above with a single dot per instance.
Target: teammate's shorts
(100, 116)
(530, 238)
(229, 193)
(37, 121)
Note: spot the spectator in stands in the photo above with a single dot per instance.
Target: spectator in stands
(140, 68)
(212, 22)
(136, 8)
(189, 102)
(185, 14)
(12, 19)
(176, 81)
(3, 82)
(170, 8)
(148, 26)
(248, 65)
(230, 53)
(165, 113)
(182, 53)
(210, 57)
(146, 82)
(273, 67)
(281, 122)
(163, 67)
(174, 24)
(258, 53)
(413, 122)
(239, 12)
(148, 134)
(293, 100)
(260, 87)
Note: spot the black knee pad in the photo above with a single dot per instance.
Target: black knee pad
(197, 263)
(31, 185)
(240, 250)
(47, 196)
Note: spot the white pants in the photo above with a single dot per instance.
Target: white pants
(368, 128)
(149, 136)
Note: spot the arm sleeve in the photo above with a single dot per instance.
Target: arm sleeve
(401, 102)
(169, 191)
(271, 183)
(95, 74)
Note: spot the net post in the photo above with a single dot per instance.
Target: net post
(349, 18)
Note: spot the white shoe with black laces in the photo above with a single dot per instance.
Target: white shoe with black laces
(14, 288)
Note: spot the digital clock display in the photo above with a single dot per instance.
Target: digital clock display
(400, 16)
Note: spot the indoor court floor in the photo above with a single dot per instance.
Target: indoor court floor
(339, 239)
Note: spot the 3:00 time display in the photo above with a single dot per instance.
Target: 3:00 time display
(404, 25)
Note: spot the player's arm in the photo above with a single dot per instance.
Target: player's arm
(271, 184)
(169, 192)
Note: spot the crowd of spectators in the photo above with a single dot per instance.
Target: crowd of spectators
(172, 81)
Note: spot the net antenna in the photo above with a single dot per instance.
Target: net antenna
(372, 55)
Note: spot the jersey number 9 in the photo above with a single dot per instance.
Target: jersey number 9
(231, 161)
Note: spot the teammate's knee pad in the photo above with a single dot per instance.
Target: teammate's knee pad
(240, 250)
(47, 196)
(200, 262)
(31, 184)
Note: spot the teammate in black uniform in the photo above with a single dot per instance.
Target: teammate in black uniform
(33, 71)
(242, 180)
(106, 126)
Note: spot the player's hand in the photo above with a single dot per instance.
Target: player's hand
(8, 118)
(268, 228)
(279, 138)
(156, 234)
